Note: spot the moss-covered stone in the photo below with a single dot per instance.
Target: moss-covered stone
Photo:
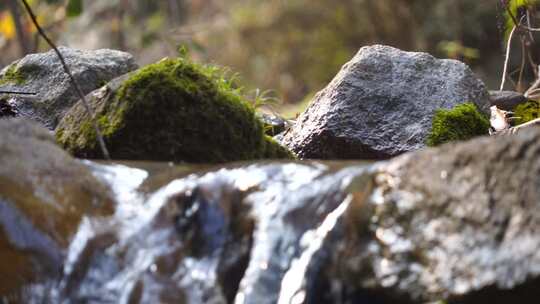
(527, 111)
(12, 75)
(459, 123)
(173, 110)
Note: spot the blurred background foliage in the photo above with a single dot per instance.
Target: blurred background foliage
(294, 47)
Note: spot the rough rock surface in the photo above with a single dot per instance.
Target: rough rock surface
(459, 224)
(43, 195)
(43, 74)
(381, 104)
(506, 100)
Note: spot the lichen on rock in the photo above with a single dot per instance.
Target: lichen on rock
(173, 110)
(462, 122)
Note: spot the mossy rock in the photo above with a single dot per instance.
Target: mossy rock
(462, 122)
(526, 112)
(173, 110)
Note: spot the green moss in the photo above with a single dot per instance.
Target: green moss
(12, 76)
(527, 111)
(460, 123)
(273, 150)
(173, 110)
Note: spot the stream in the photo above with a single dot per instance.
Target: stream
(241, 234)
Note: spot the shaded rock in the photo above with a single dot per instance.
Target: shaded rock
(273, 124)
(381, 104)
(44, 75)
(506, 100)
(458, 224)
(173, 110)
(44, 193)
(6, 110)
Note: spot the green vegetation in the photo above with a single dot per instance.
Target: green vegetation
(527, 111)
(460, 123)
(173, 110)
(512, 12)
(12, 76)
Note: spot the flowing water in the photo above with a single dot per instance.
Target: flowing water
(246, 233)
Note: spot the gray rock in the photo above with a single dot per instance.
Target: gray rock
(458, 224)
(44, 193)
(43, 74)
(381, 104)
(506, 100)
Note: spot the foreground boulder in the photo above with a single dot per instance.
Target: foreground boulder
(381, 104)
(459, 224)
(455, 224)
(44, 193)
(174, 110)
(44, 75)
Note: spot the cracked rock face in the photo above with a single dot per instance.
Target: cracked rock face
(381, 104)
(44, 75)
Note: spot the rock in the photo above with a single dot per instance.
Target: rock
(6, 110)
(44, 194)
(506, 100)
(455, 224)
(173, 110)
(381, 104)
(273, 124)
(458, 224)
(44, 75)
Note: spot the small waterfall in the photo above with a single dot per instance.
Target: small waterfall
(244, 234)
(292, 285)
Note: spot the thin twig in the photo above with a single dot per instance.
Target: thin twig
(507, 58)
(73, 81)
(17, 92)
(522, 67)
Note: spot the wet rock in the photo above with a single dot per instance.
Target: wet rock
(6, 110)
(458, 224)
(173, 110)
(381, 104)
(43, 74)
(506, 100)
(44, 193)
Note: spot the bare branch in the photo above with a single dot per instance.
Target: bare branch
(507, 57)
(73, 81)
